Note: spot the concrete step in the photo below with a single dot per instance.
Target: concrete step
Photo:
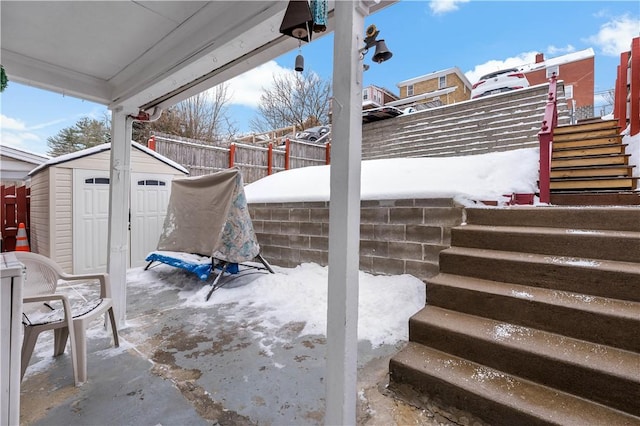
(497, 398)
(595, 277)
(611, 245)
(591, 160)
(588, 150)
(623, 183)
(596, 372)
(593, 218)
(591, 318)
(580, 141)
(595, 171)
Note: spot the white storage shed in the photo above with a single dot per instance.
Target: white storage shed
(70, 206)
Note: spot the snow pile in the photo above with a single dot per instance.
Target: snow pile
(465, 178)
(299, 295)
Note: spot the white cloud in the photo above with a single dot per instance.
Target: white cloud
(14, 132)
(439, 7)
(554, 50)
(21, 140)
(246, 88)
(496, 65)
(8, 123)
(615, 36)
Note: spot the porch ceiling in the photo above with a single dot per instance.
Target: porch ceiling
(137, 54)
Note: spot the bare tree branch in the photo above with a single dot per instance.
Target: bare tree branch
(300, 99)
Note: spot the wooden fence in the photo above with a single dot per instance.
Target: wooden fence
(14, 209)
(255, 162)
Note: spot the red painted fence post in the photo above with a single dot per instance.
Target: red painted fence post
(232, 154)
(545, 138)
(621, 91)
(270, 159)
(327, 159)
(634, 115)
(151, 143)
(287, 153)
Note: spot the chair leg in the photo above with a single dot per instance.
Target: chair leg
(28, 343)
(80, 352)
(60, 337)
(112, 318)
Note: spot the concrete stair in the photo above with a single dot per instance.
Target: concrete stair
(589, 166)
(503, 122)
(533, 319)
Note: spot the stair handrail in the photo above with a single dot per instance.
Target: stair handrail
(627, 90)
(545, 138)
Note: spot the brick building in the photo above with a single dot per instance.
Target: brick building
(577, 70)
(375, 97)
(438, 88)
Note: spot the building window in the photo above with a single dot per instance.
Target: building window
(97, 181)
(410, 90)
(442, 82)
(365, 96)
(568, 91)
(553, 69)
(151, 182)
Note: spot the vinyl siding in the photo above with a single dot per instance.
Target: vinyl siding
(62, 206)
(39, 214)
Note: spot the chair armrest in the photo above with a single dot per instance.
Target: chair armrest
(68, 316)
(105, 288)
(45, 298)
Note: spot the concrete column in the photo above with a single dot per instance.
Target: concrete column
(119, 188)
(344, 215)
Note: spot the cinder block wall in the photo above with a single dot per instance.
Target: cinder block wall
(396, 236)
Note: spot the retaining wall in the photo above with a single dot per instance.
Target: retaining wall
(396, 236)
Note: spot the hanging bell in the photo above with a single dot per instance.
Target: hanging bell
(382, 53)
(299, 63)
(297, 21)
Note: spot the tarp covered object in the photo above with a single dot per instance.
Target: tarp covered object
(208, 215)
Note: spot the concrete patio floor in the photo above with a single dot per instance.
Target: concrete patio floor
(180, 365)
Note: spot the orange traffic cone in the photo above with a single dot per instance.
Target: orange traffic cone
(22, 243)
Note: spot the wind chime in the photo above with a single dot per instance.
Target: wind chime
(301, 20)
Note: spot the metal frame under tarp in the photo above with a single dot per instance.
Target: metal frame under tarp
(208, 226)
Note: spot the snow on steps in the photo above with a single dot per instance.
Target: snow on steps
(532, 321)
(501, 399)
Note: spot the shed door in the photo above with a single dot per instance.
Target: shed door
(149, 201)
(90, 220)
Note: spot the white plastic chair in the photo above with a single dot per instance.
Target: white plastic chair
(67, 320)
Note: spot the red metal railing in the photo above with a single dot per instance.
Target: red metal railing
(627, 90)
(545, 137)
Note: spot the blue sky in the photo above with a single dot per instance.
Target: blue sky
(424, 36)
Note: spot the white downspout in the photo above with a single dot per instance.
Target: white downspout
(344, 215)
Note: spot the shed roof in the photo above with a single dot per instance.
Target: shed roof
(105, 147)
(20, 155)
